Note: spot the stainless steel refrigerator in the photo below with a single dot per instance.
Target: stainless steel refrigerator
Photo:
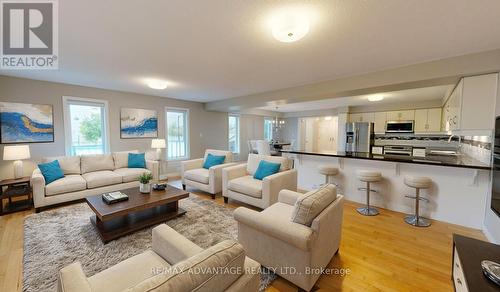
(359, 137)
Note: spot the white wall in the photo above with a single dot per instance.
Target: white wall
(207, 129)
(491, 220)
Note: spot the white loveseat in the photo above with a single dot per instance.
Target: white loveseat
(238, 182)
(173, 264)
(301, 231)
(87, 175)
(208, 180)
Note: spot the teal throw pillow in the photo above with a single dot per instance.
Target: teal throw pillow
(266, 169)
(213, 160)
(136, 160)
(51, 171)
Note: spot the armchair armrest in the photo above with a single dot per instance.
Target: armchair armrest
(172, 246)
(153, 166)
(215, 176)
(273, 184)
(37, 182)
(230, 173)
(288, 197)
(73, 279)
(292, 233)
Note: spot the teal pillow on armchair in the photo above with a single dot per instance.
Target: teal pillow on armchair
(213, 160)
(266, 169)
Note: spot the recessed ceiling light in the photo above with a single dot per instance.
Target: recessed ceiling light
(157, 84)
(375, 97)
(289, 25)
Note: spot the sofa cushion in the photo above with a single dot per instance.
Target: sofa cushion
(254, 161)
(310, 204)
(97, 162)
(213, 269)
(246, 185)
(279, 212)
(130, 174)
(128, 273)
(67, 184)
(69, 164)
(101, 178)
(200, 175)
(120, 158)
(51, 171)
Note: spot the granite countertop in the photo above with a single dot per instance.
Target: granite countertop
(450, 161)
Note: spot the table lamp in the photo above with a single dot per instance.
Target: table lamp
(16, 153)
(158, 144)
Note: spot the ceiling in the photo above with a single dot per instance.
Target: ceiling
(409, 96)
(218, 49)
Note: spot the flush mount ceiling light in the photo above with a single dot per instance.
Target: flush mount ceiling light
(375, 97)
(289, 25)
(157, 84)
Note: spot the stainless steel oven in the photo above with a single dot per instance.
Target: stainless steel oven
(399, 127)
(398, 150)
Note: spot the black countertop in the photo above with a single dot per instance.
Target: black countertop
(450, 161)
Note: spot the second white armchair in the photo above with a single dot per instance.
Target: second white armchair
(238, 182)
(208, 180)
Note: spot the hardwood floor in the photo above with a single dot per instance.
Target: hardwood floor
(380, 253)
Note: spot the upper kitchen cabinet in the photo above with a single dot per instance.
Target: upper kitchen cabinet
(471, 104)
(427, 120)
(380, 120)
(407, 115)
(362, 117)
(478, 100)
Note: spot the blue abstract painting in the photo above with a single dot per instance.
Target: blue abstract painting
(26, 123)
(138, 123)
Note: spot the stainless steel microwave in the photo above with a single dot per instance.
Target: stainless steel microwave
(400, 127)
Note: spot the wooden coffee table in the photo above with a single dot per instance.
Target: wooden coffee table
(139, 211)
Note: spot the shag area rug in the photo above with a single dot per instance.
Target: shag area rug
(56, 238)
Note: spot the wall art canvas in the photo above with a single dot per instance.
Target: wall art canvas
(138, 123)
(26, 123)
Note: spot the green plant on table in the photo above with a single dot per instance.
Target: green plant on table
(145, 178)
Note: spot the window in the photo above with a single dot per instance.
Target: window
(234, 133)
(177, 134)
(85, 125)
(268, 129)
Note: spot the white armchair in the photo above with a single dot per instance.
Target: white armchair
(273, 235)
(208, 180)
(238, 182)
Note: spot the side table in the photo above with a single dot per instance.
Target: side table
(15, 188)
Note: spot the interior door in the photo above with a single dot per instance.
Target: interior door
(327, 134)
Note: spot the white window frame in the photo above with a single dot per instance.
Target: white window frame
(67, 100)
(238, 132)
(188, 146)
(272, 126)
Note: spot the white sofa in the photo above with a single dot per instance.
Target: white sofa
(88, 175)
(173, 264)
(208, 180)
(238, 182)
(285, 235)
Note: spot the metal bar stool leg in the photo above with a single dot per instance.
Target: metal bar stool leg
(367, 210)
(416, 220)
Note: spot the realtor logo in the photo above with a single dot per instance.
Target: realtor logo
(29, 34)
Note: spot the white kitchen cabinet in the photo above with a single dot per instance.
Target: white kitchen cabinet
(380, 120)
(427, 120)
(362, 117)
(452, 109)
(407, 115)
(478, 99)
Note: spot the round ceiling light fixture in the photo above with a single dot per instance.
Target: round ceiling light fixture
(377, 97)
(289, 25)
(157, 84)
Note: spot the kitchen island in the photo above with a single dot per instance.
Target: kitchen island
(458, 193)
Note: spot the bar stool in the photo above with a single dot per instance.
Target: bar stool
(417, 182)
(368, 177)
(329, 171)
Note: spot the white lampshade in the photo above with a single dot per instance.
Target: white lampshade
(158, 144)
(17, 152)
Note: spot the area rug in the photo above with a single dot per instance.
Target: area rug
(56, 238)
